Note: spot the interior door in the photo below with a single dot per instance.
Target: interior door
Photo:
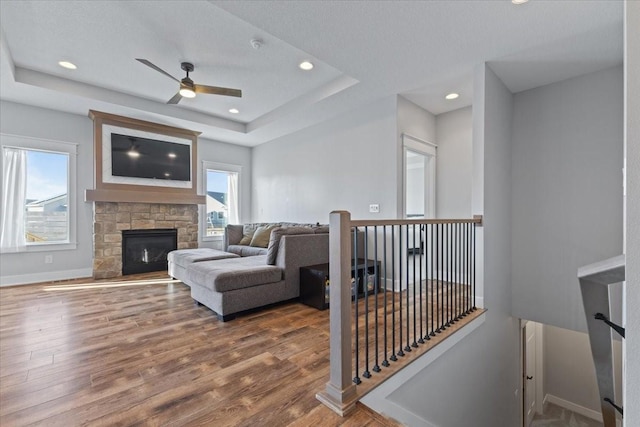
(529, 374)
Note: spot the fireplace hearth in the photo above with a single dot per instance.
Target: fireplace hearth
(146, 250)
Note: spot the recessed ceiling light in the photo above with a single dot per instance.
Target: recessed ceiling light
(68, 65)
(234, 110)
(306, 65)
(519, 1)
(451, 96)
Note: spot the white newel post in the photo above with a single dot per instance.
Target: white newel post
(340, 392)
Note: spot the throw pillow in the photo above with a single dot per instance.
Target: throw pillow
(261, 236)
(276, 235)
(233, 234)
(247, 235)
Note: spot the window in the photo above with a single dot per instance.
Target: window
(46, 205)
(37, 201)
(221, 190)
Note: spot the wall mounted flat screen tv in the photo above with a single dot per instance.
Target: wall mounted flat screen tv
(137, 157)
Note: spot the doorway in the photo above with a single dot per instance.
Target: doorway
(419, 180)
(419, 183)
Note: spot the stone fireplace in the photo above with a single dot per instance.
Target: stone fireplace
(110, 218)
(134, 202)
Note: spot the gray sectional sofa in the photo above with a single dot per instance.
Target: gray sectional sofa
(243, 277)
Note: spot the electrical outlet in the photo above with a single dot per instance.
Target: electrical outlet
(48, 259)
(375, 208)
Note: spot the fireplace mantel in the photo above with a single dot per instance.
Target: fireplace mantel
(143, 197)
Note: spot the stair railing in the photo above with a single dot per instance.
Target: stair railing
(394, 286)
(594, 284)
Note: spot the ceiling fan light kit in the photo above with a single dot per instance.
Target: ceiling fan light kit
(188, 88)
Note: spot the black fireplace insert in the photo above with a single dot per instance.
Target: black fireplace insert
(146, 250)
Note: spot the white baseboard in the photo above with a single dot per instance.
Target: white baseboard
(590, 413)
(27, 279)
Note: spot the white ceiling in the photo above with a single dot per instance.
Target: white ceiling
(362, 51)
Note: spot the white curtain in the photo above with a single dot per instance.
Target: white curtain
(232, 192)
(14, 195)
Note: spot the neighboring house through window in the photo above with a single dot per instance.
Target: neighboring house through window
(221, 190)
(38, 201)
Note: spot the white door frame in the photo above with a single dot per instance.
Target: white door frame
(538, 368)
(429, 150)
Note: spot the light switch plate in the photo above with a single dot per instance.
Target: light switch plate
(375, 208)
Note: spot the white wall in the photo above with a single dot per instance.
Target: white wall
(29, 121)
(23, 120)
(474, 383)
(454, 164)
(569, 373)
(632, 146)
(220, 152)
(567, 192)
(345, 163)
(417, 122)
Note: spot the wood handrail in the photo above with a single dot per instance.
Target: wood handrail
(605, 272)
(477, 219)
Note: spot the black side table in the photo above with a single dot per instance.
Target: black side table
(314, 282)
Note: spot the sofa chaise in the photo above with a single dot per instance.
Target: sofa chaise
(250, 273)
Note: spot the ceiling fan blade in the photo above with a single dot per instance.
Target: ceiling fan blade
(214, 90)
(155, 67)
(176, 98)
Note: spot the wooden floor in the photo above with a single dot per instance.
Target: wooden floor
(142, 353)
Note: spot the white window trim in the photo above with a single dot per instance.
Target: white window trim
(220, 167)
(428, 149)
(70, 148)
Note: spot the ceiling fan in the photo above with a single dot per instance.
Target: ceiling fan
(188, 88)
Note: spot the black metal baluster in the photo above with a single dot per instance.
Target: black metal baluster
(356, 379)
(460, 268)
(441, 281)
(365, 291)
(406, 347)
(433, 278)
(452, 271)
(466, 271)
(422, 302)
(456, 272)
(400, 251)
(474, 268)
(436, 273)
(452, 274)
(414, 344)
(439, 276)
(376, 281)
(385, 362)
(447, 270)
(393, 297)
(468, 301)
